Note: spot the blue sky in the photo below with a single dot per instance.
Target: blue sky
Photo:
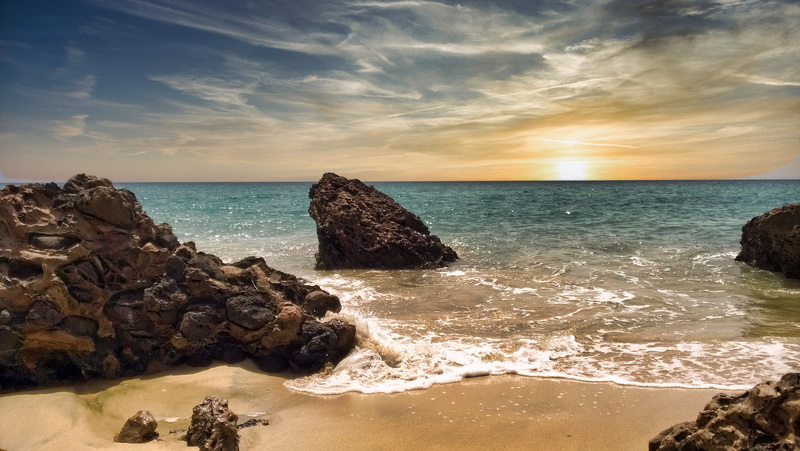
(173, 90)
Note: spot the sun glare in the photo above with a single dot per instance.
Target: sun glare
(571, 170)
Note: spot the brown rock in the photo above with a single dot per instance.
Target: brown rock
(320, 302)
(91, 288)
(140, 428)
(108, 204)
(285, 327)
(213, 426)
(767, 417)
(361, 227)
(772, 241)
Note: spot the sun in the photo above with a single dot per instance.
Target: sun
(571, 170)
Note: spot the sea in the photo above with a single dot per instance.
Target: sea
(633, 283)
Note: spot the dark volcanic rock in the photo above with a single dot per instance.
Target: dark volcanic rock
(361, 227)
(91, 288)
(772, 241)
(252, 422)
(213, 426)
(139, 428)
(767, 417)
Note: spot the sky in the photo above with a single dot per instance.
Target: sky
(274, 90)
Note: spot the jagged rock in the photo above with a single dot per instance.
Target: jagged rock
(108, 204)
(361, 227)
(140, 428)
(767, 417)
(91, 288)
(213, 426)
(250, 312)
(772, 241)
(319, 302)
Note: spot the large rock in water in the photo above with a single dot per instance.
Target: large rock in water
(772, 241)
(767, 417)
(361, 227)
(91, 288)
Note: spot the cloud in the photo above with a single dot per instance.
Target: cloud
(68, 129)
(76, 127)
(83, 87)
(225, 92)
(75, 56)
(456, 84)
(256, 26)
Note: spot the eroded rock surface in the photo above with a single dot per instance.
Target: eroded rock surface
(140, 428)
(213, 426)
(772, 241)
(91, 288)
(767, 417)
(361, 227)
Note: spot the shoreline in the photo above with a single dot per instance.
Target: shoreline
(502, 412)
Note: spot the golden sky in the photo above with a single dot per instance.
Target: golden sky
(177, 90)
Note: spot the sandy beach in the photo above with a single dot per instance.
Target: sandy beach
(498, 412)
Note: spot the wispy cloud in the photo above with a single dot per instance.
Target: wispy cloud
(67, 129)
(225, 92)
(83, 87)
(591, 144)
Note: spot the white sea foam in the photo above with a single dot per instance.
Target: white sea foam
(454, 273)
(387, 362)
(640, 261)
(536, 336)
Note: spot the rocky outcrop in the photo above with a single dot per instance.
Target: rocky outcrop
(140, 428)
(767, 417)
(772, 241)
(213, 426)
(91, 288)
(361, 227)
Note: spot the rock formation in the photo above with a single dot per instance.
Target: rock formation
(361, 227)
(140, 428)
(91, 288)
(767, 417)
(213, 426)
(772, 241)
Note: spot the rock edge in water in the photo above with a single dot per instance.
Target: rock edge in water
(772, 241)
(766, 417)
(91, 288)
(360, 227)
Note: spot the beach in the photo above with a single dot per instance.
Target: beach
(579, 316)
(499, 412)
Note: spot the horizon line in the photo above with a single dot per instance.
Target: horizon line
(4, 183)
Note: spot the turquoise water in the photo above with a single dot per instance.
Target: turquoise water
(630, 282)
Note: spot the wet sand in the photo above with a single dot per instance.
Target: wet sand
(498, 412)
